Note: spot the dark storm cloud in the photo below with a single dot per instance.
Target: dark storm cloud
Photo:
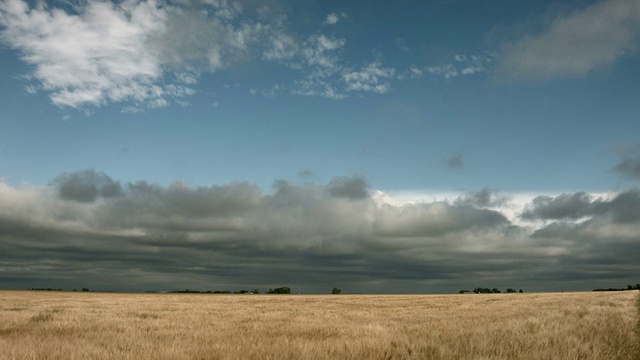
(434, 219)
(348, 187)
(86, 186)
(564, 206)
(623, 208)
(307, 236)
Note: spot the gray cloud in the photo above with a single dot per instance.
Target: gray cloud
(483, 198)
(623, 208)
(564, 206)
(308, 236)
(86, 186)
(629, 168)
(456, 160)
(577, 43)
(351, 188)
(629, 165)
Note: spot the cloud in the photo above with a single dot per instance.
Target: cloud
(308, 236)
(333, 18)
(577, 43)
(456, 161)
(371, 78)
(350, 188)
(86, 186)
(622, 208)
(564, 206)
(629, 168)
(629, 165)
(484, 198)
(462, 65)
(121, 52)
(148, 54)
(98, 55)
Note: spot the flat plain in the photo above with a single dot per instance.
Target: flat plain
(88, 325)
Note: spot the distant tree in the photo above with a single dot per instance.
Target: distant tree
(520, 291)
(336, 291)
(511, 291)
(85, 289)
(256, 291)
(463, 291)
(495, 291)
(482, 291)
(280, 290)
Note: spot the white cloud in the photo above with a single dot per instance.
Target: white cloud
(89, 58)
(147, 54)
(371, 78)
(333, 18)
(122, 52)
(448, 71)
(462, 65)
(415, 72)
(282, 48)
(575, 44)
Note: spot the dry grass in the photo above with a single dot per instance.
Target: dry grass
(59, 325)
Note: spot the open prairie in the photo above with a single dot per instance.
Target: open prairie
(81, 325)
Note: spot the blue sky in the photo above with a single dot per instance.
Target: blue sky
(466, 108)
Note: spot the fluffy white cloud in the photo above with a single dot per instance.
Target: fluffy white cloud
(372, 78)
(98, 55)
(148, 53)
(333, 18)
(121, 52)
(575, 44)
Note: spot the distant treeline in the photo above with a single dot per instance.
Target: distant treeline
(280, 290)
(59, 289)
(629, 287)
(481, 290)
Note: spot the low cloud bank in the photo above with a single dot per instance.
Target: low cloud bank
(87, 229)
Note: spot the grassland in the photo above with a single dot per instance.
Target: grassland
(64, 325)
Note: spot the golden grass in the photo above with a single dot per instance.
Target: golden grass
(64, 325)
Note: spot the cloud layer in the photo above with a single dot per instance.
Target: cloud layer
(147, 54)
(87, 229)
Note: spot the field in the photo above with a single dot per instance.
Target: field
(82, 325)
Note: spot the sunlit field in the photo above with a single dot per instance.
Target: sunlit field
(81, 325)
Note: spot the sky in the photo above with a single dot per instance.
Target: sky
(380, 147)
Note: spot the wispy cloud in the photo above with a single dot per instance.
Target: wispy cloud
(629, 165)
(462, 65)
(577, 43)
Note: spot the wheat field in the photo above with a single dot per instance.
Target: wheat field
(83, 325)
